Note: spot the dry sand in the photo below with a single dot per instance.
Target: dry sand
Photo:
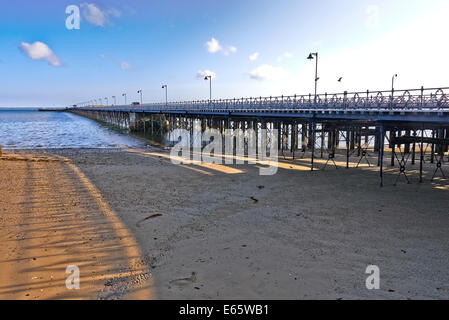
(141, 227)
(52, 217)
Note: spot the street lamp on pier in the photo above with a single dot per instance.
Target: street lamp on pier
(210, 86)
(166, 94)
(107, 100)
(115, 100)
(392, 88)
(141, 100)
(392, 82)
(124, 95)
(311, 57)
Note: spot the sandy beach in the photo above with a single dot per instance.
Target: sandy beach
(140, 227)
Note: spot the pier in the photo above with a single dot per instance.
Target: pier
(403, 126)
(52, 109)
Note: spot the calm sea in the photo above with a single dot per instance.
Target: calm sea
(34, 129)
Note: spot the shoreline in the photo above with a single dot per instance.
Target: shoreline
(203, 235)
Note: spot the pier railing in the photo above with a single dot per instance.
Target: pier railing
(413, 99)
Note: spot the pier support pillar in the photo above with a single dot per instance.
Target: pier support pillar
(304, 137)
(312, 134)
(421, 160)
(381, 154)
(133, 121)
(393, 146)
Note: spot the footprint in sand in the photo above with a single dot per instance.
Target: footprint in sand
(184, 281)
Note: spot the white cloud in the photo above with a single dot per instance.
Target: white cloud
(213, 46)
(267, 72)
(40, 51)
(254, 56)
(96, 16)
(229, 50)
(372, 17)
(125, 66)
(114, 13)
(285, 55)
(202, 74)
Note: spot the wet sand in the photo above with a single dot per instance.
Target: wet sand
(217, 232)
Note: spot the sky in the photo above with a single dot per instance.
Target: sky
(251, 48)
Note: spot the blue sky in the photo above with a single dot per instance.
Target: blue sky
(143, 44)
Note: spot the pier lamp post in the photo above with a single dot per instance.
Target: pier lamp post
(124, 95)
(101, 101)
(115, 100)
(166, 94)
(107, 101)
(141, 100)
(210, 87)
(392, 88)
(392, 82)
(311, 57)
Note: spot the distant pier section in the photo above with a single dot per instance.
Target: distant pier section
(53, 109)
